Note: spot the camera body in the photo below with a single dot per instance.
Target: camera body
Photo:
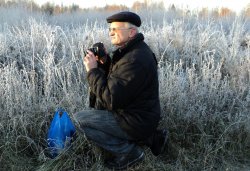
(98, 50)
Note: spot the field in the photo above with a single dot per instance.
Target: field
(204, 73)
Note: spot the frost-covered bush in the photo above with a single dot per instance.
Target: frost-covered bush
(204, 87)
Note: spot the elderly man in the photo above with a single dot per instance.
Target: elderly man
(125, 95)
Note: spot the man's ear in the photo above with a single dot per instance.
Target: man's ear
(132, 32)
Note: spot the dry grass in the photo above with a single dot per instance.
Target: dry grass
(204, 90)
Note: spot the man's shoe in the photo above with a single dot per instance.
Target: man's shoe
(122, 162)
(159, 142)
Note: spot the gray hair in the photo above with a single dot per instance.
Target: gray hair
(129, 25)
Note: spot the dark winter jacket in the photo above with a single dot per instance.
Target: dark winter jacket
(130, 89)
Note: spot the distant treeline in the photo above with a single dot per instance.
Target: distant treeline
(53, 9)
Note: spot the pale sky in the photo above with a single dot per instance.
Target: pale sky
(236, 5)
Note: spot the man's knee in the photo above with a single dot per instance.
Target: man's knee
(77, 116)
(81, 115)
(84, 118)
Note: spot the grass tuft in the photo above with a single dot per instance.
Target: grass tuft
(204, 79)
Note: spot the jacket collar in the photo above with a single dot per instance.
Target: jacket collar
(123, 50)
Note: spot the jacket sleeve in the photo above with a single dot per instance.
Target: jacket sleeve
(106, 65)
(93, 101)
(121, 87)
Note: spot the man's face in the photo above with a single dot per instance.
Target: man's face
(119, 33)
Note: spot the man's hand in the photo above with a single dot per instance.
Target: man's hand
(89, 61)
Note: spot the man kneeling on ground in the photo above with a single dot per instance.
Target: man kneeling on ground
(124, 90)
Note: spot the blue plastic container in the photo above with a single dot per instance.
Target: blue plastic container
(60, 133)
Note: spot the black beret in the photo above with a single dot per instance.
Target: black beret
(125, 16)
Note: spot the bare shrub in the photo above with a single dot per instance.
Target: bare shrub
(204, 89)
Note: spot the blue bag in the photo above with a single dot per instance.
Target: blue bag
(60, 133)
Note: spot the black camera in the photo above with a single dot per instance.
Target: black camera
(99, 51)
